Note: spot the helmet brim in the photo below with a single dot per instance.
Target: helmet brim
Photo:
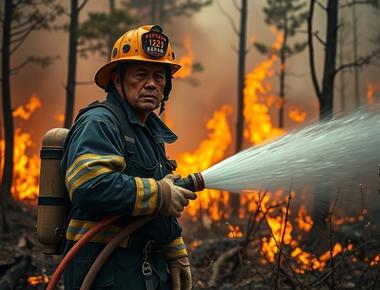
(103, 75)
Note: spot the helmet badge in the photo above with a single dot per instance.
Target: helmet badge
(154, 42)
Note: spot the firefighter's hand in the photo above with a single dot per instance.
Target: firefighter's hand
(180, 274)
(173, 198)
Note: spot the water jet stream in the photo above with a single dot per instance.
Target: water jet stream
(342, 152)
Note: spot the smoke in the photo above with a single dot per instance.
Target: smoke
(214, 44)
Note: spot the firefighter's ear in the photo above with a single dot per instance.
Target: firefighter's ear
(116, 79)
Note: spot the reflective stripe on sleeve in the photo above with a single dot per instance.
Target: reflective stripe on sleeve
(88, 166)
(175, 249)
(146, 196)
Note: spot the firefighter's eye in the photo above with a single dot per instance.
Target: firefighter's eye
(141, 75)
(160, 77)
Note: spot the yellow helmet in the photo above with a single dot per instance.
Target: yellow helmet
(146, 43)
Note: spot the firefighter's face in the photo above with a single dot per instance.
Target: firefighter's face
(144, 85)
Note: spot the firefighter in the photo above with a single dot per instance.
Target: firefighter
(107, 173)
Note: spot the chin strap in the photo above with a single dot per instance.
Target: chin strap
(162, 107)
(167, 89)
(121, 82)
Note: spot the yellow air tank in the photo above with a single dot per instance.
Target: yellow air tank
(52, 195)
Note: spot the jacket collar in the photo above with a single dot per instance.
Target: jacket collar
(160, 132)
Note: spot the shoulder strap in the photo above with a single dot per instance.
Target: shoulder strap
(126, 129)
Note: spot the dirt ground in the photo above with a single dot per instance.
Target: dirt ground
(217, 262)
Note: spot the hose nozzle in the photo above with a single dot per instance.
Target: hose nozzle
(193, 182)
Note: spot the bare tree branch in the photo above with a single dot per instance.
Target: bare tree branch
(360, 62)
(316, 34)
(234, 48)
(236, 5)
(321, 6)
(14, 70)
(18, 32)
(355, 2)
(219, 263)
(35, 25)
(230, 19)
(82, 5)
(21, 39)
(43, 61)
(21, 24)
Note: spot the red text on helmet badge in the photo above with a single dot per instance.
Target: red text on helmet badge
(155, 43)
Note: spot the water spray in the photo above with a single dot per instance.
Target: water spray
(344, 150)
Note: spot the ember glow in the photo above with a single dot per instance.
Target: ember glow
(37, 280)
(59, 117)
(234, 232)
(372, 88)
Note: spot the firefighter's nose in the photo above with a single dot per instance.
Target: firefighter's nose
(151, 82)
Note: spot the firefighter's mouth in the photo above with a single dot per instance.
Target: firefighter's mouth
(149, 97)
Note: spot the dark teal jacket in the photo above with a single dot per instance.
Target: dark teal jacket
(103, 177)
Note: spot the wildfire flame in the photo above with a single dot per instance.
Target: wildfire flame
(26, 168)
(257, 94)
(25, 112)
(304, 221)
(297, 115)
(209, 151)
(372, 88)
(187, 60)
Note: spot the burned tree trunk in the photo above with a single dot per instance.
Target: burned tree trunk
(111, 36)
(282, 76)
(235, 198)
(325, 95)
(153, 12)
(6, 180)
(72, 64)
(355, 56)
(241, 74)
(342, 73)
(326, 104)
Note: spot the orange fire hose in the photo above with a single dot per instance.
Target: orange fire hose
(109, 248)
(77, 246)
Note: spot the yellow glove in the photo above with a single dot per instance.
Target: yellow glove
(180, 274)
